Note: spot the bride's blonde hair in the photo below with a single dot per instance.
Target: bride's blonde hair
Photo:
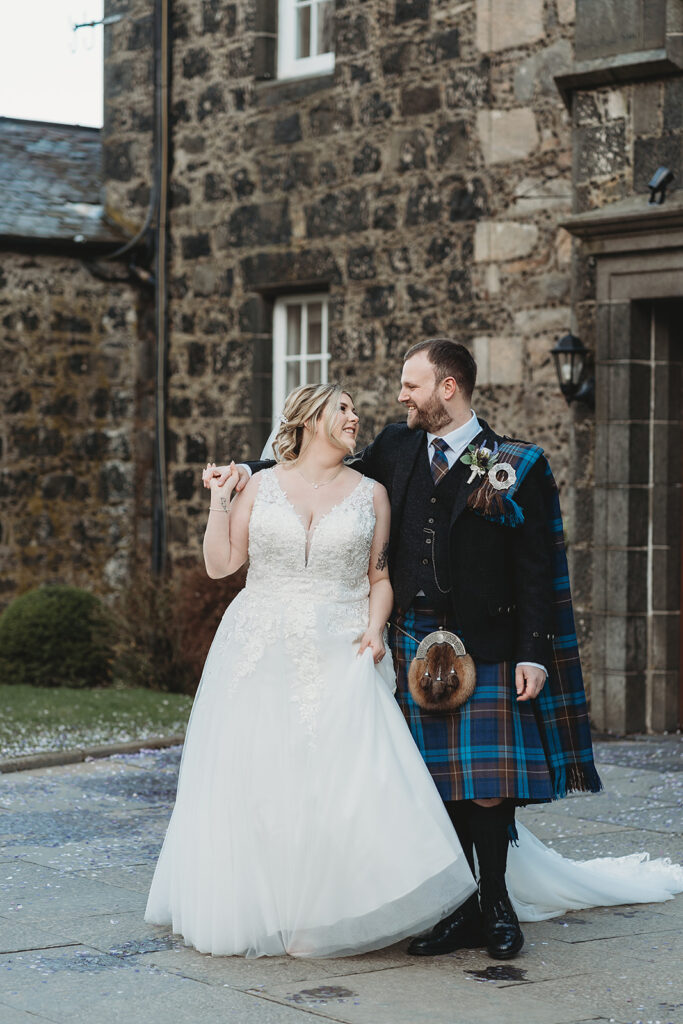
(306, 405)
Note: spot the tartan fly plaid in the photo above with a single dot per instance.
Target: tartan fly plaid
(493, 746)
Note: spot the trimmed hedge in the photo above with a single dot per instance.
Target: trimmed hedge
(56, 636)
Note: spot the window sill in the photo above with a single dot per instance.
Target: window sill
(271, 92)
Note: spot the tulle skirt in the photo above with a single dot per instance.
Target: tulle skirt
(307, 823)
(307, 826)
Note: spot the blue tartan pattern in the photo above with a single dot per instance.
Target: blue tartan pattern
(490, 746)
(493, 746)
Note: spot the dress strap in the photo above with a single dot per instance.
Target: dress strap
(269, 490)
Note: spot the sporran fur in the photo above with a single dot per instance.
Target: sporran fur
(442, 676)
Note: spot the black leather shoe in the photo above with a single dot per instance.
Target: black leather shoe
(503, 936)
(460, 930)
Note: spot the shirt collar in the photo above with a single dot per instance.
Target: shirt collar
(461, 436)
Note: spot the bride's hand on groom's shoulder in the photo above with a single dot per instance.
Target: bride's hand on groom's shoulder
(375, 642)
(220, 474)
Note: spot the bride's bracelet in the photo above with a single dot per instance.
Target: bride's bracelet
(212, 508)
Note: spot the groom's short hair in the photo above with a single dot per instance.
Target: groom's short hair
(449, 359)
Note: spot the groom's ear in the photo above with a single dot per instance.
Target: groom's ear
(450, 387)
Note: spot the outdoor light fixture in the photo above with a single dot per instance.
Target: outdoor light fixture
(657, 185)
(570, 357)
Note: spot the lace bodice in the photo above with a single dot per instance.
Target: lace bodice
(302, 588)
(332, 558)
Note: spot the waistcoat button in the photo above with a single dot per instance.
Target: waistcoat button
(430, 520)
(433, 501)
(425, 561)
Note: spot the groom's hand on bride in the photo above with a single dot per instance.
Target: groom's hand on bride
(376, 644)
(529, 681)
(221, 474)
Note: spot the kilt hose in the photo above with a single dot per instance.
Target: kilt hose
(490, 746)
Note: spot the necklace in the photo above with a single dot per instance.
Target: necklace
(324, 483)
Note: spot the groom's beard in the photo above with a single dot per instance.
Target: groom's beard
(431, 417)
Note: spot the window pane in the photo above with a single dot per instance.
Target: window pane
(292, 376)
(303, 32)
(325, 26)
(293, 330)
(315, 316)
(313, 374)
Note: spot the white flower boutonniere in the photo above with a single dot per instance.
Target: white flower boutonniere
(481, 459)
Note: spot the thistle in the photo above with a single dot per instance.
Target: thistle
(480, 458)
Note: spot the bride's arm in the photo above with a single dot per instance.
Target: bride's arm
(226, 539)
(381, 593)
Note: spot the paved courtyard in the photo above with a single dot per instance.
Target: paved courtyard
(78, 845)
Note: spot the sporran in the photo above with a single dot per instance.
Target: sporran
(442, 675)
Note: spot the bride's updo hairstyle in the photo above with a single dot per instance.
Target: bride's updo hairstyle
(306, 405)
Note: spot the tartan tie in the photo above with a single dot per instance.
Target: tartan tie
(439, 463)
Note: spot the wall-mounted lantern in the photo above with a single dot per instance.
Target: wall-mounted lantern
(571, 361)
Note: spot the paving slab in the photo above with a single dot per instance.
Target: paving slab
(81, 984)
(634, 999)
(621, 842)
(553, 825)
(8, 1015)
(417, 996)
(18, 935)
(255, 975)
(602, 923)
(121, 933)
(36, 893)
(666, 786)
(78, 845)
(630, 811)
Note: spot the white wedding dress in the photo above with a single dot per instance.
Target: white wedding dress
(305, 820)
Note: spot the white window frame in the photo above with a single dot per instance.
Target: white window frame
(280, 358)
(288, 66)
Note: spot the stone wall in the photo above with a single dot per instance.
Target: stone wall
(74, 441)
(421, 184)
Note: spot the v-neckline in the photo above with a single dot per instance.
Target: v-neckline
(309, 534)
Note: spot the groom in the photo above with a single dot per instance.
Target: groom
(479, 551)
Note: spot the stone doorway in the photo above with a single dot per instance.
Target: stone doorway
(637, 620)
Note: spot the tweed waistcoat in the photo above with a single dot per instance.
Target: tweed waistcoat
(423, 537)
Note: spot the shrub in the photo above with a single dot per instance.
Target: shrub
(165, 627)
(56, 636)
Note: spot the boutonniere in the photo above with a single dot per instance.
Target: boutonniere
(480, 458)
(484, 462)
(488, 499)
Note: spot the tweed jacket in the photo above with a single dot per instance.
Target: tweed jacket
(501, 578)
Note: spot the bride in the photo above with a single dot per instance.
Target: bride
(305, 820)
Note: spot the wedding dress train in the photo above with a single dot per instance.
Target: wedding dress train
(544, 884)
(305, 820)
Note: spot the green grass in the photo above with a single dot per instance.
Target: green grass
(35, 719)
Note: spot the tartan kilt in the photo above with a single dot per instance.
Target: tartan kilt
(488, 747)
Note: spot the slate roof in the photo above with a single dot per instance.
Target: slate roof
(50, 184)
